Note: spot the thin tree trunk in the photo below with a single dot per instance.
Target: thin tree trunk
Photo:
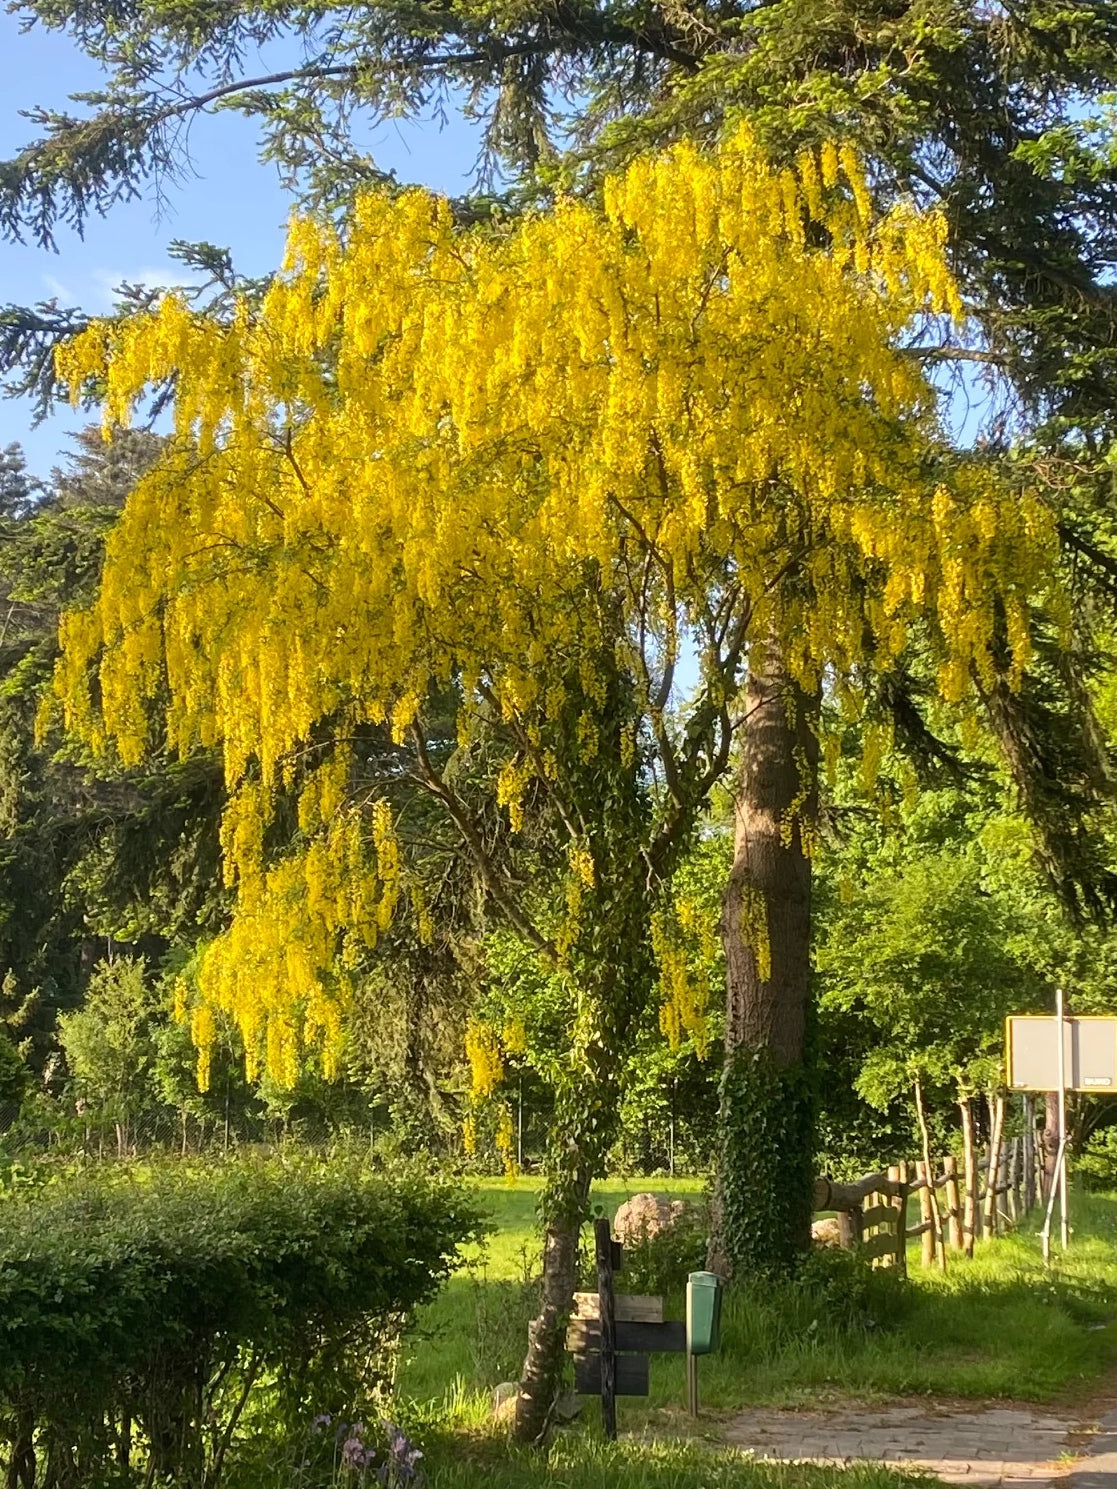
(969, 1222)
(1029, 1118)
(953, 1201)
(541, 1375)
(936, 1213)
(1050, 1141)
(926, 1218)
(997, 1123)
(767, 1153)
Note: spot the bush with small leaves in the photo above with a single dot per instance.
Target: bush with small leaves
(141, 1308)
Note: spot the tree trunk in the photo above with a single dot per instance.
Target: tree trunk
(1050, 1141)
(542, 1373)
(767, 1117)
(937, 1233)
(969, 1160)
(991, 1217)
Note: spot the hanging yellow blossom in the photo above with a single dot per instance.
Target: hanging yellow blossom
(686, 946)
(408, 466)
(486, 1064)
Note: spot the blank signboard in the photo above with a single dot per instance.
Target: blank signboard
(1090, 1046)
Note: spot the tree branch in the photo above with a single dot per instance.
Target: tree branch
(437, 786)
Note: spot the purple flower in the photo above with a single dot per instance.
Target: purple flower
(403, 1456)
(321, 1422)
(356, 1454)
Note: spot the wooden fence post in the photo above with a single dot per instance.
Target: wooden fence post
(927, 1239)
(901, 1203)
(969, 1162)
(953, 1201)
(997, 1113)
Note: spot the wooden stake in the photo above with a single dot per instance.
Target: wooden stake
(849, 1228)
(1018, 1173)
(969, 1161)
(927, 1225)
(997, 1113)
(936, 1215)
(1029, 1153)
(953, 1201)
(1011, 1208)
(901, 1203)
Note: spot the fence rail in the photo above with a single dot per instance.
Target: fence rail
(993, 1191)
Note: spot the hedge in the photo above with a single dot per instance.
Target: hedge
(140, 1309)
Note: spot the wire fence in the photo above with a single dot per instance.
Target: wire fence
(107, 1135)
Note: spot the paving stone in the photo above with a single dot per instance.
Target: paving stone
(996, 1448)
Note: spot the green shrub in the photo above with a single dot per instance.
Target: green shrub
(661, 1263)
(141, 1310)
(1097, 1163)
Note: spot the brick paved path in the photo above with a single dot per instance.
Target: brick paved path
(1012, 1446)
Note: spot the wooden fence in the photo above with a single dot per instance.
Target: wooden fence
(990, 1193)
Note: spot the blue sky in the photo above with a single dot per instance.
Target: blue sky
(229, 199)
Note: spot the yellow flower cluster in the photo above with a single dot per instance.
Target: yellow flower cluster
(486, 1063)
(754, 929)
(282, 971)
(403, 468)
(514, 1036)
(686, 945)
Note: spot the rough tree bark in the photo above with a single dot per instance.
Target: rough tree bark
(541, 1375)
(767, 1127)
(1050, 1141)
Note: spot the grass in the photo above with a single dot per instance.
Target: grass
(589, 1463)
(474, 1334)
(998, 1327)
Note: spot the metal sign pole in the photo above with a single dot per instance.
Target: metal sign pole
(1061, 1173)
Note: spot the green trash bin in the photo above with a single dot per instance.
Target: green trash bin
(703, 1312)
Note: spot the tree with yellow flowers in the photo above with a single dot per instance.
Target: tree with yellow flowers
(530, 467)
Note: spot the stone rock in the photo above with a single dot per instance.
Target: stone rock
(646, 1216)
(826, 1232)
(504, 1400)
(567, 1407)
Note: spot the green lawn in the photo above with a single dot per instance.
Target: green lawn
(999, 1327)
(578, 1462)
(474, 1334)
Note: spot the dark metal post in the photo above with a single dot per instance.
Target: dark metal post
(1029, 1152)
(671, 1133)
(602, 1234)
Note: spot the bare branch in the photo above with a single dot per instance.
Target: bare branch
(429, 777)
